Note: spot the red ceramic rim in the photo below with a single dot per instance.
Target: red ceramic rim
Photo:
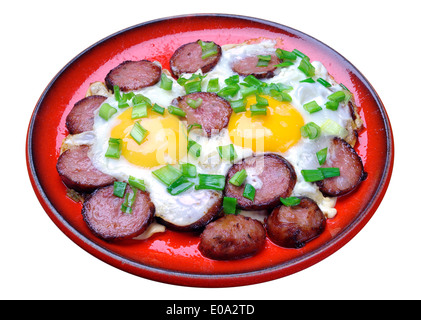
(173, 257)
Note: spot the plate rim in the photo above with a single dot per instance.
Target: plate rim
(209, 280)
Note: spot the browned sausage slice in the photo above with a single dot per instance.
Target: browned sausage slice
(81, 117)
(292, 227)
(248, 66)
(232, 237)
(341, 155)
(77, 171)
(212, 114)
(188, 59)
(103, 215)
(133, 75)
(277, 177)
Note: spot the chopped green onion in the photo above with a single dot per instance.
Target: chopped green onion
(312, 107)
(283, 87)
(261, 102)
(114, 148)
(248, 90)
(257, 110)
(106, 111)
(194, 103)
(284, 64)
(229, 91)
(227, 152)
(310, 130)
(321, 156)
(123, 104)
(343, 86)
(324, 82)
(332, 105)
(283, 54)
(232, 80)
(119, 188)
(191, 126)
(238, 105)
(139, 99)
(140, 111)
(263, 60)
(138, 133)
(167, 174)
(158, 109)
(193, 86)
(188, 170)
(128, 201)
(137, 183)
(290, 201)
(253, 81)
(209, 49)
(211, 181)
(238, 178)
(330, 172)
(333, 128)
(230, 205)
(166, 83)
(176, 111)
(312, 175)
(128, 95)
(194, 148)
(306, 67)
(299, 53)
(249, 192)
(180, 185)
(337, 96)
(213, 85)
(117, 94)
(308, 80)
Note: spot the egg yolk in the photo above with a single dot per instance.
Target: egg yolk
(277, 131)
(162, 143)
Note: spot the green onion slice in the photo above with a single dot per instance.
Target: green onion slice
(261, 102)
(257, 110)
(249, 192)
(117, 94)
(176, 111)
(337, 96)
(166, 83)
(137, 183)
(119, 188)
(324, 82)
(167, 174)
(283, 54)
(263, 60)
(194, 103)
(321, 156)
(211, 181)
(129, 201)
(229, 91)
(299, 53)
(213, 85)
(238, 178)
(191, 126)
(312, 175)
(284, 64)
(310, 130)
(306, 67)
(138, 133)
(106, 111)
(188, 170)
(232, 80)
(290, 201)
(194, 148)
(140, 111)
(209, 49)
(308, 80)
(230, 205)
(332, 105)
(333, 128)
(312, 107)
(238, 105)
(139, 99)
(227, 152)
(158, 109)
(114, 148)
(180, 185)
(330, 172)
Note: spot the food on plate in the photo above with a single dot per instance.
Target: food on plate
(233, 142)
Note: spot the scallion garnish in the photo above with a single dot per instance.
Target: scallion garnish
(299, 53)
(229, 91)
(306, 67)
(249, 192)
(209, 49)
(261, 102)
(324, 82)
(213, 85)
(211, 181)
(321, 156)
(114, 148)
(232, 80)
(332, 105)
(194, 148)
(180, 185)
(310, 130)
(263, 60)
(238, 178)
(137, 183)
(117, 94)
(166, 83)
(238, 105)
(253, 81)
(138, 132)
(176, 111)
(257, 110)
(119, 188)
(167, 174)
(330, 172)
(248, 90)
(290, 201)
(158, 109)
(188, 170)
(139, 99)
(106, 111)
(337, 96)
(312, 175)
(123, 104)
(191, 126)
(193, 84)
(129, 200)
(285, 55)
(227, 152)
(333, 128)
(308, 80)
(284, 64)
(140, 111)
(230, 205)
(194, 103)
(312, 107)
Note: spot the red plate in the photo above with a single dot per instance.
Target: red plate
(173, 257)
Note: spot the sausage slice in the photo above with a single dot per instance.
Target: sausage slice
(344, 157)
(212, 114)
(292, 227)
(81, 117)
(248, 66)
(77, 171)
(188, 59)
(104, 217)
(232, 237)
(133, 75)
(274, 176)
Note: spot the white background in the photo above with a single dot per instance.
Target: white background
(381, 38)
